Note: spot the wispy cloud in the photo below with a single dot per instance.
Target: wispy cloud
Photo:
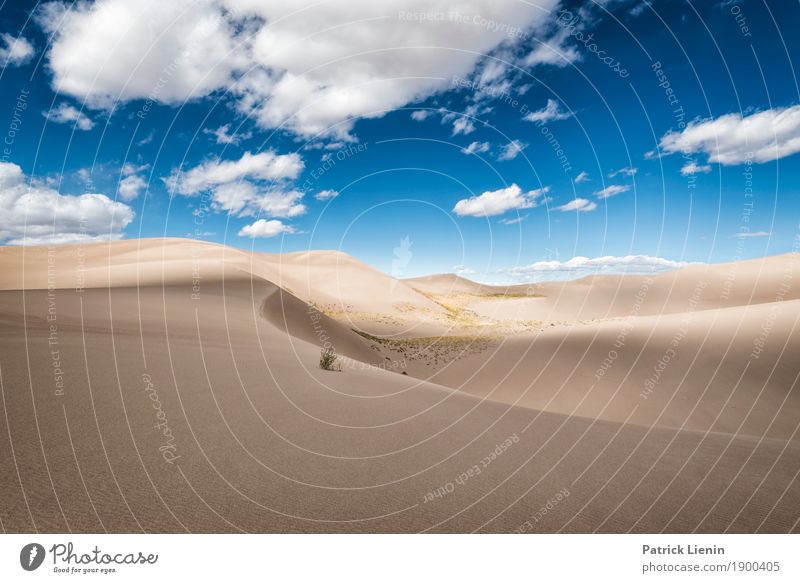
(550, 112)
(582, 266)
(514, 221)
(625, 171)
(66, 113)
(223, 135)
(326, 194)
(15, 51)
(612, 190)
(476, 148)
(580, 205)
(511, 150)
(749, 234)
(692, 168)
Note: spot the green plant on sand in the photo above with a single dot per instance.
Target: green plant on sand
(327, 359)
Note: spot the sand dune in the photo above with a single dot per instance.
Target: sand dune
(178, 390)
(701, 370)
(698, 287)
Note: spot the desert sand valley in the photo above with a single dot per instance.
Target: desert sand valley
(171, 385)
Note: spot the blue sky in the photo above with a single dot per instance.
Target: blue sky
(414, 137)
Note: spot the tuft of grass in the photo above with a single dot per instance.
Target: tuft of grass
(327, 359)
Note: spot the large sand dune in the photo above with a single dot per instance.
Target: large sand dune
(177, 389)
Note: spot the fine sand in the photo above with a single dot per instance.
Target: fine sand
(167, 385)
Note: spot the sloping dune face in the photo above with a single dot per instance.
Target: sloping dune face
(172, 386)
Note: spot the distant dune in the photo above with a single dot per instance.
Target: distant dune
(168, 385)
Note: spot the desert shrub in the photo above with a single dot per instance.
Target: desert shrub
(327, 359)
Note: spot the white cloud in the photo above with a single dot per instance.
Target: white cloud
(262, 166)
(582, 177)
(279, 203)
(117, 50)
(626, 171)
(306, 66)
(476, 148)
(734, 138)
(246, 199)
(421, 114)
(248, 186)
(130, 168)
(553, 51)
(612, 190)
(462, 270)
(131, 186)
(223, 135)
(749, 234)
(579, 204)
(66, 113)
(235, 197)
(263, 228)
(326, 194)
(550, 112)
(514, 221)
(14, 51)
(581, 266)
(511, 150)
(497, 202)
(463, 125)
(692, 168)
(33, 213)
(147, 139)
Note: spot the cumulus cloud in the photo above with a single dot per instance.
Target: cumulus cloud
(497, 202)
(112, 50)
(582, 177)
(693, 168)
(255, 183)
(511, 150)
(421, 114)
(262, 166)
(14, 51)
(263, 228)
(582, 266)
(32, 213)
(612, 190)
(246, 199)
(66, 113)
(309, 67)
(581, 205)
(735, 138)
(550, 112)
(476, 148)
(131, 186)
